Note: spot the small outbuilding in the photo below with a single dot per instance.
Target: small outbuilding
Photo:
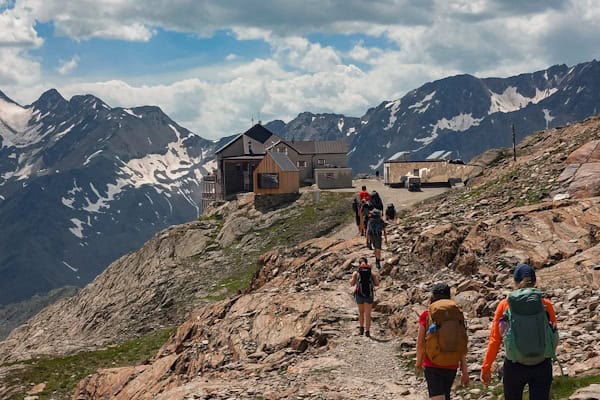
(276, 174)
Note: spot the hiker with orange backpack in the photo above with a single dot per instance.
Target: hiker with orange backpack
(442, 344)
(526, 323)
(364, 281)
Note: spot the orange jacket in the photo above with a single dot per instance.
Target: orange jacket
(495, 337)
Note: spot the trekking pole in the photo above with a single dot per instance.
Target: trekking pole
(562, 372)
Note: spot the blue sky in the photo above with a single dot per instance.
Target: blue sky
(214, 64)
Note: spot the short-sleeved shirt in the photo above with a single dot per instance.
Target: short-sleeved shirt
(426, 361)
(364, 196)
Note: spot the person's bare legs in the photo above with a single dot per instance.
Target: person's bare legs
(367, 311)
(361, 315)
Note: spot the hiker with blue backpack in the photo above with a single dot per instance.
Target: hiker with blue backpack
(364, 281)
(526, 323)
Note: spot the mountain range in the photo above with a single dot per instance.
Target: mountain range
(82, 183)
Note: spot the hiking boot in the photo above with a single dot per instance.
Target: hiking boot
(378, 263)
(367, 334)
(361, 330)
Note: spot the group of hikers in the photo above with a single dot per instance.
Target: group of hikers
(524, 321)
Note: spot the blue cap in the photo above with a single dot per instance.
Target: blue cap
(523, 271)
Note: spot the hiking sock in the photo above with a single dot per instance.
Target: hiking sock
(361, 330)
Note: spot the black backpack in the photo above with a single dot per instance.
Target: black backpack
(376, 201)
(390, 212)
(364, 282)
(375, 226)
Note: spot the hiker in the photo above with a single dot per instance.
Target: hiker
(390, 212)
(365, 208)
(526, 323)
(442, 326)
(364, 281)
(376, 201)
(375, 228)
(356, 209)
(363, 194)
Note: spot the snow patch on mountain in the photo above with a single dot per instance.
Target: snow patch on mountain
(394, 107)
(78, 229)
(423, 105)
(14, 126)
(340, 125)
(547, 116)
(511, 100)
(91, 156)
(459, 123)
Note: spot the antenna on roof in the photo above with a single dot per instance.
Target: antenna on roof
(259, 121)
(252, 119)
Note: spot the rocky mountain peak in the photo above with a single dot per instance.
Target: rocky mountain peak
(50, 100)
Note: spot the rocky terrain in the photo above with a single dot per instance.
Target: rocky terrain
(178, 270)
(292, 334)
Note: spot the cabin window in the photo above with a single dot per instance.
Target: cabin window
(321, 161)
(268, 181)
(301, 164)
(283, 150)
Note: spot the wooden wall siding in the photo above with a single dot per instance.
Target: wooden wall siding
(429, 171)
(289, 181)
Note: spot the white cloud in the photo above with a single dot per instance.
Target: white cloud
(231, 57)
(67, 66)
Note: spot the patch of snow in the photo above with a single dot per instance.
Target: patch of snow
(459, 123)
(340, 125)
(388, 144)
(351, 131)
(398, 155)
(63, 132)
(89, 158)
(66, 264)
(418, 105)
(130, 112)
(352, 151)
(14, 126)
(78, 229)
(511, 100)
(149, 141)
(567, 102)
(547, 116)
(2, 197)
(395, 106)
(68, 202)
(375, 166)
(580, 89)
(546, 75)
(210, 165)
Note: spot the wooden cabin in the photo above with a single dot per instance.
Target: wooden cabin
(276, 174)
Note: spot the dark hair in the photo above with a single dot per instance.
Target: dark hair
(364, 188)
(360, 260)
(440, 291)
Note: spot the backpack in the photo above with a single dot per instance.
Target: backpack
(364, 282)
(390, 212)
(375, 226)
(448, 343)
(529, 337)
(376, 201)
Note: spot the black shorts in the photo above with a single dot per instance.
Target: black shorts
(439, 381)
(375, 241)
(360, 299)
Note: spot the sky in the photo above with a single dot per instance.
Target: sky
(214, 66)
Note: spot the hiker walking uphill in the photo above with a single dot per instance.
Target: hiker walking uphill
(376, 201)
(364, 281)
(375, 229)
(363, 195)
(526, 323)
(356, 209)
(442, 344)
(365, 209)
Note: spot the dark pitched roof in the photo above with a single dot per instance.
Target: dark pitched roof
(257, 132)
(282, 161)
(316, 147)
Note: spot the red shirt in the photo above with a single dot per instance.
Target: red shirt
(426, 361)
(364, 196)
